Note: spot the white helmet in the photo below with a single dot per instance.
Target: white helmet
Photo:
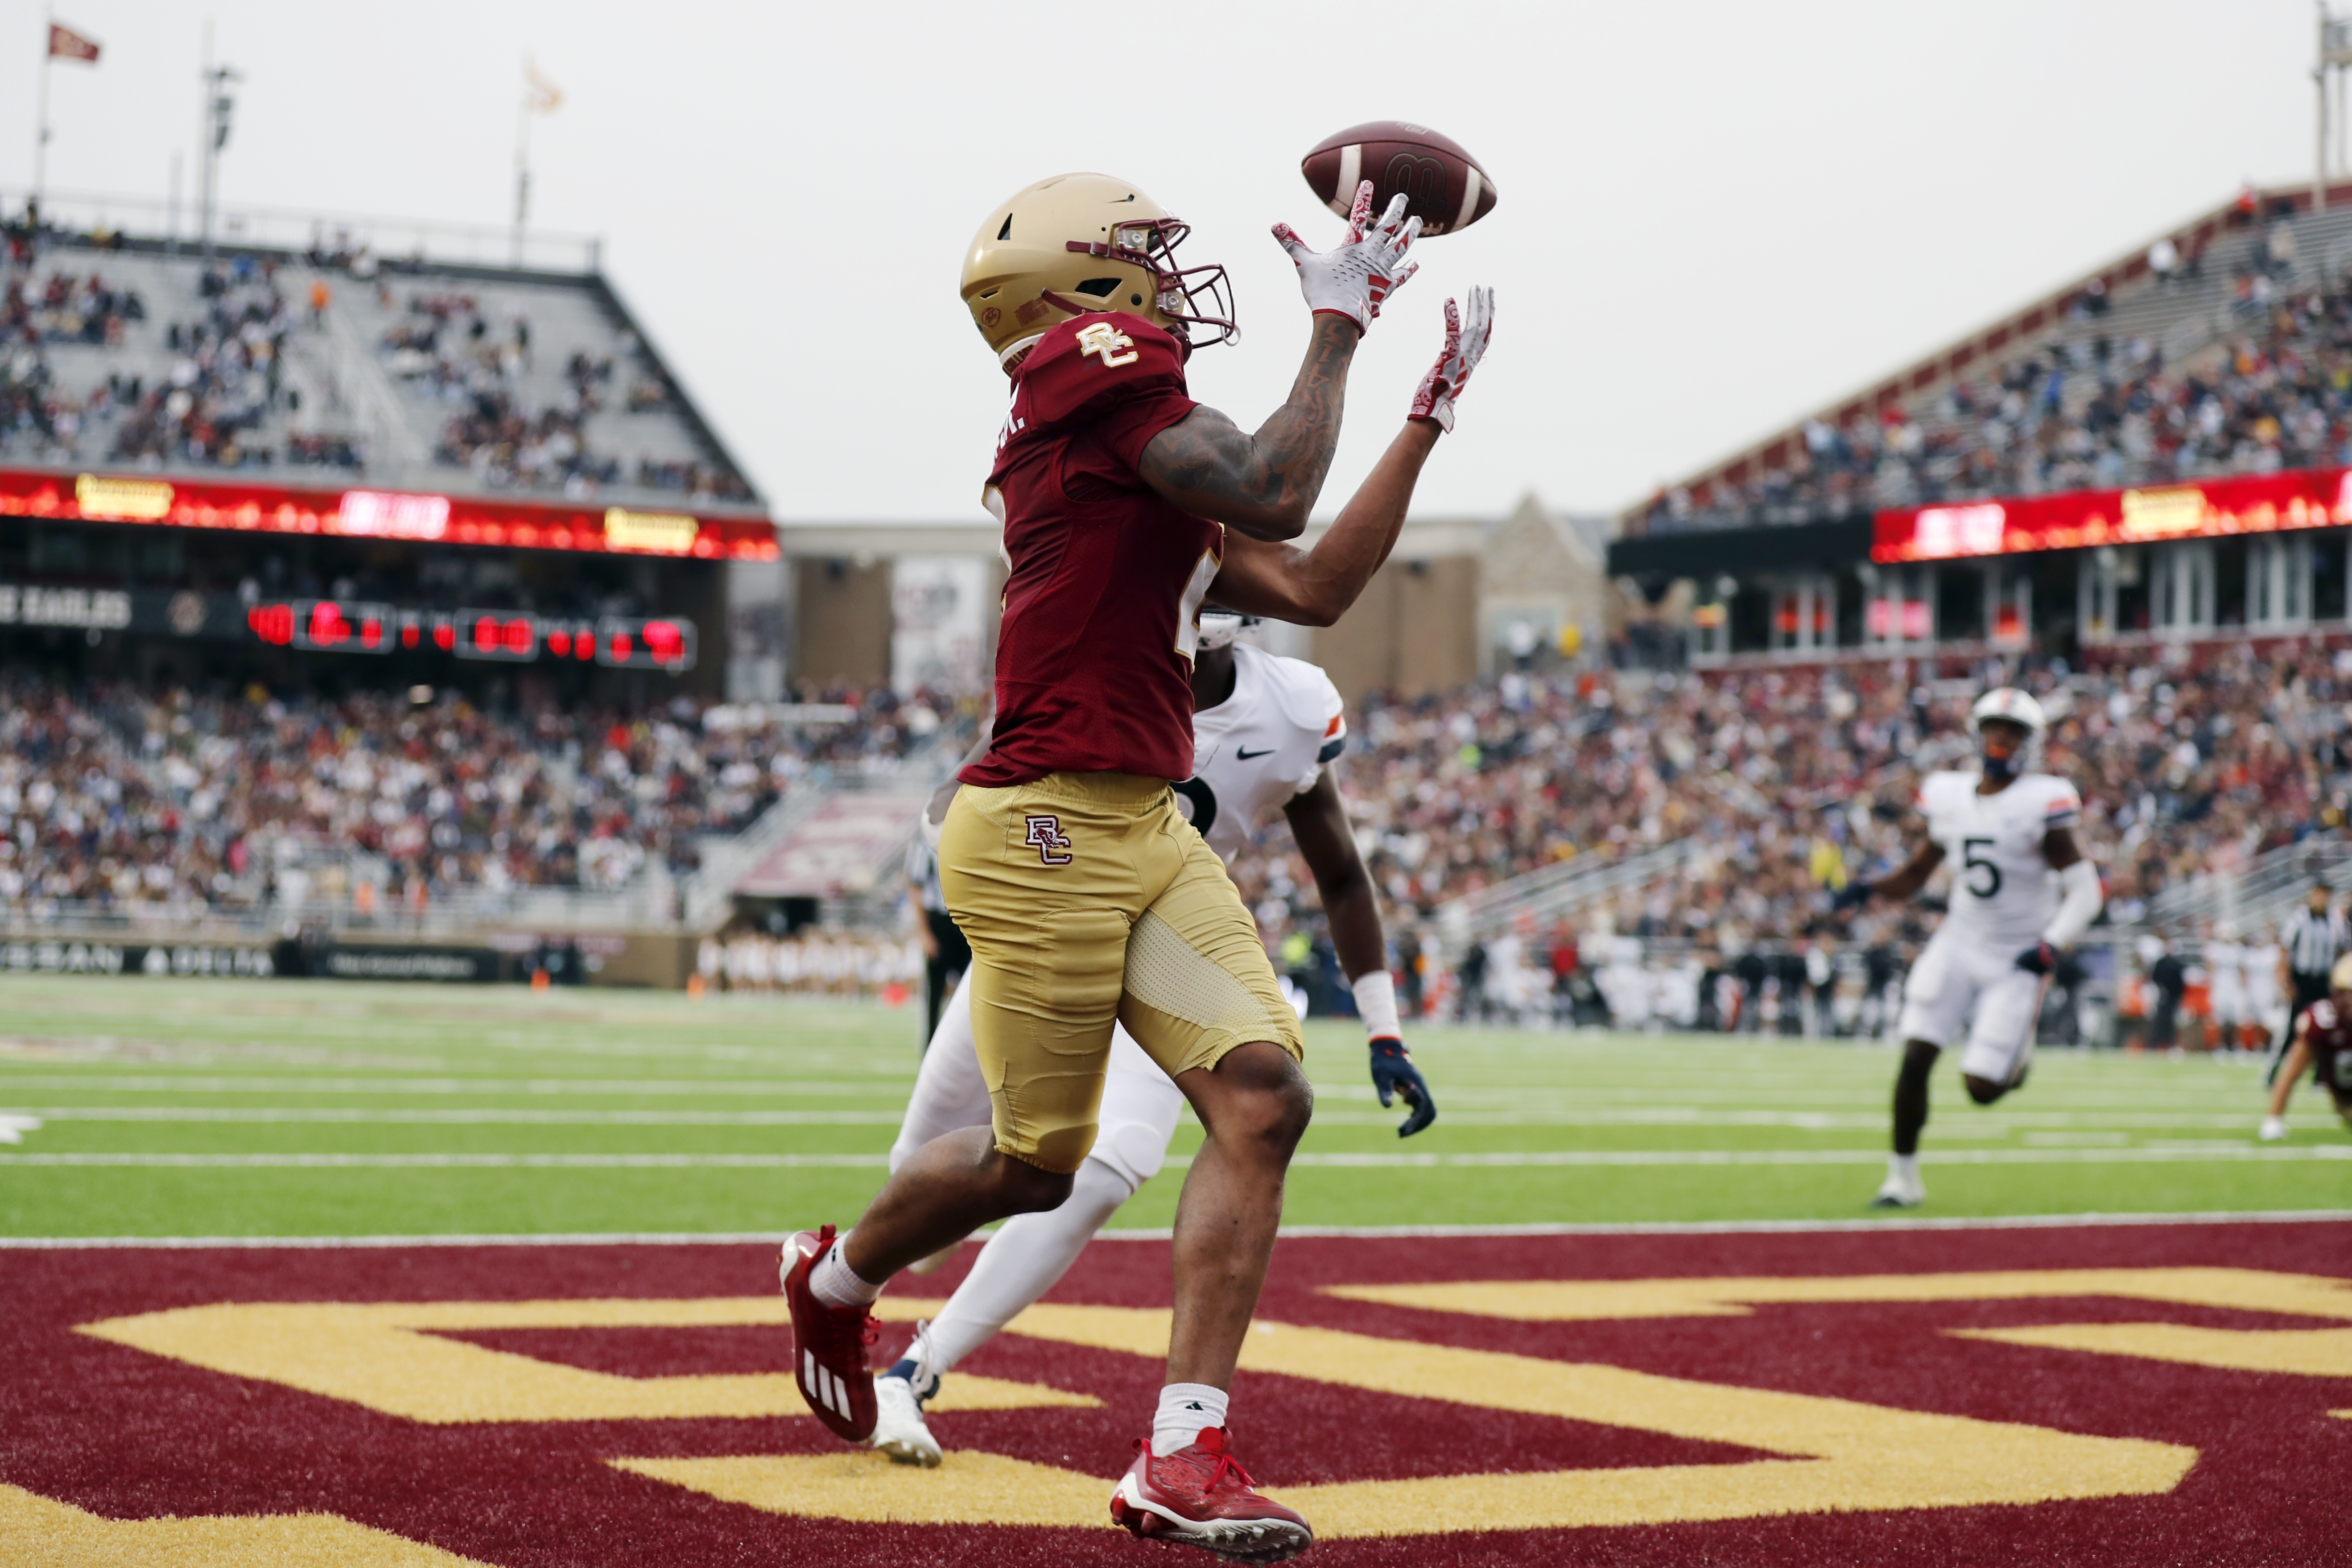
(2016, 707)
(1220, 627)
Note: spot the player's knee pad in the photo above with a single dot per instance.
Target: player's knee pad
(1102, 1186)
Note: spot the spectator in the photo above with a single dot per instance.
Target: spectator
(164, 802)
(2278, 395)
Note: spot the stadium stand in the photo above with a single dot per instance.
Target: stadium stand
(1742, 802)
(416, 375)
(2223, 359)
(119, 803)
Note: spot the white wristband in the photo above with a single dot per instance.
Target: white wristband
(1376, 1004)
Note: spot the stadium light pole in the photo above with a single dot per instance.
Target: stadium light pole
(2335, 55)
(217, 105)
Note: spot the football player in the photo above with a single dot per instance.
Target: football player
(1066, 860)
(2322, 1042)
(1264, 731)
(2022, 894)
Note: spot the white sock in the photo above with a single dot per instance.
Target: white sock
(836, 1284)
(1904, 1168)
(1184, 1409)
(1022, 1261)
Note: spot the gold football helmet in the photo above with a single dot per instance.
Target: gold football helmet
(1078, 243)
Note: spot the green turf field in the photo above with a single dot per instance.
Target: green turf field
(277, 1107)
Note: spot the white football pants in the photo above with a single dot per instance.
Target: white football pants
(1964, 983)
(1030, 1252)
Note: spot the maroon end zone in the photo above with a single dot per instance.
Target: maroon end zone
(127, 1433)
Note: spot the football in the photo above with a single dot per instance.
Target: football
(1445, 187)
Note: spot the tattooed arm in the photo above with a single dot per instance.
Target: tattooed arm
(1314, 587)
(1261, 485)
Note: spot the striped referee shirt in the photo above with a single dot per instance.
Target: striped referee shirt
(2313, 942)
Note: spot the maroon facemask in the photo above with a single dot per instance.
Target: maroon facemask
(1189, 296)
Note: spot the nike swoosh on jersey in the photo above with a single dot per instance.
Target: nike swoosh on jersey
(1242, 754)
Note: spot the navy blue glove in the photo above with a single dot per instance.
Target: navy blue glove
(1393, 1074)
(2039, 959)
(1853, 896)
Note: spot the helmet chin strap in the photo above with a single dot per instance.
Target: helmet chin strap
(2001, 765)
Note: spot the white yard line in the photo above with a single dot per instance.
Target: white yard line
(1518, 1160)
(617, 1088)
(1668, 1116)
(1373, 1232)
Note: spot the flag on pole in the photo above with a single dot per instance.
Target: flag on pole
(65, 44)
(541, 95)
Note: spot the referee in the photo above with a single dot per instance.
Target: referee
(2310, 943)
(947, 957)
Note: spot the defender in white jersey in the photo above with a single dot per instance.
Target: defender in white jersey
(1264, 730)
(2022, 893)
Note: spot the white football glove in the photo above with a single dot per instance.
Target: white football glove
(1353, 277)
(1466, 345)
(2274, 1129)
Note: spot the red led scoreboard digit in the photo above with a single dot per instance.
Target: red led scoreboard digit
(509, 635)
(326, 626)
(515, 637)
(658, 644)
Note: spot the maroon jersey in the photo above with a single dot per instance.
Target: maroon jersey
(1094, 661)
(2327, 1034)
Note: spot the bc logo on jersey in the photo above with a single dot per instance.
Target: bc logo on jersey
(1046, 837)
(1101, 338)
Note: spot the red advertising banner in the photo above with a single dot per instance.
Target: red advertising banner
(423, 516)
(2196, 509)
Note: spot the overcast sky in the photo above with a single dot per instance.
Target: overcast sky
(1713, 216)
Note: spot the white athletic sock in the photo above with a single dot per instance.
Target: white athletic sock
(1904, 1168)
(1184, 1409)
(1022, 1261)
(836, 1284)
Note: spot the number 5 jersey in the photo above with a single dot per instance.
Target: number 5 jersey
(2003, 890)
(1093, 659)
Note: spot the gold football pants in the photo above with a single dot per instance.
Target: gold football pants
(1087, 898)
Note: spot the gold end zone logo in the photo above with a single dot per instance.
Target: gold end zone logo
(1823, 1454)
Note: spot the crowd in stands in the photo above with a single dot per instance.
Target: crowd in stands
(121, 800)
(36, 413)
(230, 398)
(66, 307)
(2088, 412)
(228, 377)
(448, 349)
(227, 374)
(1782, 785)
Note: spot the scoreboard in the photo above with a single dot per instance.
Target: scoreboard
(514, 637)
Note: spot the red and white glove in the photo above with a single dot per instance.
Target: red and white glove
(1466, 345)
(1353, 277)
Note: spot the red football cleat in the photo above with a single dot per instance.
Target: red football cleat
(1200, 1497)
(829, 1345)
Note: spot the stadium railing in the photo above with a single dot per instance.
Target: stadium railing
(1551, 892)
(2258, 896)
(234, 227)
